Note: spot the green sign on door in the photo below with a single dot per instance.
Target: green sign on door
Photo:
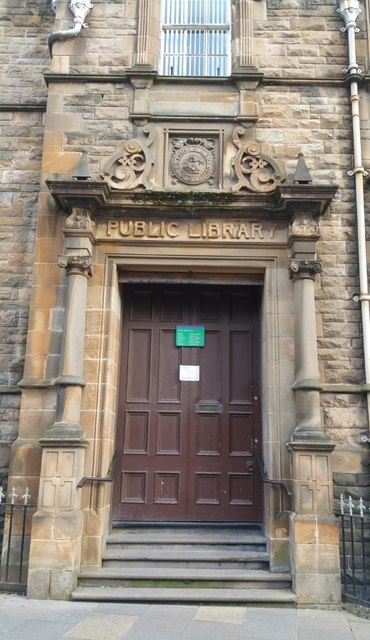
(190, 336)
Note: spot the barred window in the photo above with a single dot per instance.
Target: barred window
(196, 37)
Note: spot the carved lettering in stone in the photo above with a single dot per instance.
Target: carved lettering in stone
(130, 166)
(193, 160)
(255, 171)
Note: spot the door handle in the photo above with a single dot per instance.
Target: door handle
(251, 465)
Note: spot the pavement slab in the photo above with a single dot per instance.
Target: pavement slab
(22, 619)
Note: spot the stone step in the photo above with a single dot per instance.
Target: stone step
(180, 577)
(160, 539)
(252, 597)
(185, 557)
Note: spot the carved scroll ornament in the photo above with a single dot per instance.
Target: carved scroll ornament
(255, 171)
(130, 166)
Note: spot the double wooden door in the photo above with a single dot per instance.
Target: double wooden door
(189, 446)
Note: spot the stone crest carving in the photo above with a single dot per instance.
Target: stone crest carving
(130, 166)
(255, 171)
(193, 160)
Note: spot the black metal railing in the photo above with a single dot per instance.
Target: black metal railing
(16, 514)
(355, 550)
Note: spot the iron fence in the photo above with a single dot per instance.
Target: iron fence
(355, 550)
(15, 514)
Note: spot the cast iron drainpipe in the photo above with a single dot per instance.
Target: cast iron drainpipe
(80, 9)
(349, 10)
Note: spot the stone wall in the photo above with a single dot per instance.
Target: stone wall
(25, 25)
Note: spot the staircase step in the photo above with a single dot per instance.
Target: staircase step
(256, 597)
(188, 564)
(186, 557)
(161, 539)
(180, 577)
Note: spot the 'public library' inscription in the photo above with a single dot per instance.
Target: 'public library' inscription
(236, 230)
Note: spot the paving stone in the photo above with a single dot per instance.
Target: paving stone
(231, 615)
(211, 631)
(101, 627)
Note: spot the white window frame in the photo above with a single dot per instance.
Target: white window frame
(196, 38)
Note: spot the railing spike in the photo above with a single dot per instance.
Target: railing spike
(342, 504)
(13, 495)
(350, 505)
(26, 496)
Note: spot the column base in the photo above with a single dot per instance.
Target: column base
(315, 559)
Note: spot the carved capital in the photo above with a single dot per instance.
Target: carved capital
(300, 269)
(76, 265)
(80, 219)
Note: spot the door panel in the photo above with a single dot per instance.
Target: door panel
(186, 444)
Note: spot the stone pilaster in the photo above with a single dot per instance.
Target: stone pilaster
(313, 529)
(57, 524)
(148, 34)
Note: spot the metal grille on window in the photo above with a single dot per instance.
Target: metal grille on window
(196, 38)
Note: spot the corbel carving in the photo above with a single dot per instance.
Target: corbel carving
(76, 265)
(130, 166)
(304, 226)
(255, 171)
(80, 219)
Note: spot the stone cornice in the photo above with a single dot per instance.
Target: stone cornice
(100, 199)
(265, 80)
(30, 106)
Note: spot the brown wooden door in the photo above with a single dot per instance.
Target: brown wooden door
(189, 448)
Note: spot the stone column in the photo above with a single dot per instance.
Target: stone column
(57, 524)
(314, 530)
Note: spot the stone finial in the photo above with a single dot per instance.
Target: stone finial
(302, 174)
(82, 169)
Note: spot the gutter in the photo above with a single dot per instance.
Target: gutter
(80, 9)
(349, 10)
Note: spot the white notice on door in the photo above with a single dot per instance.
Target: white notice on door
(189, 372)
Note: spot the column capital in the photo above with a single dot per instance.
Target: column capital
(76, 265)
(300, 269)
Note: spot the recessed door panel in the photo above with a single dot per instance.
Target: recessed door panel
(185, 444)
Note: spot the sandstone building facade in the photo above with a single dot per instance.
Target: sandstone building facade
(185, 273)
